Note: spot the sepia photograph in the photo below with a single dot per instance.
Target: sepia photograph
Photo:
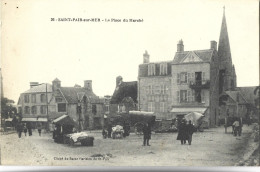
(139, 83)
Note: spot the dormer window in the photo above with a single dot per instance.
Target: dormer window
(151, 69)
(163, 68)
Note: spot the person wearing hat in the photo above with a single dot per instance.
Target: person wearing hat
(182, 133)
(190, 129)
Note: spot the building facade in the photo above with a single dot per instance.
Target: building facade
(52, 101)
(191, 82)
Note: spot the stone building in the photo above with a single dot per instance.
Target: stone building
(191, 82)
(124, 97)
(80, 103)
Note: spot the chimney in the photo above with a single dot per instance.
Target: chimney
(146, 57)
(213, 45)
(180, 46)
(56, 84)
(33, 84)
(88, 85)
(119, 79)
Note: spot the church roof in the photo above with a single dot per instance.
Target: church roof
(125, 89)
(236, 96)
(193, 56)
(248, 93)
(224, 52)
(73, 94)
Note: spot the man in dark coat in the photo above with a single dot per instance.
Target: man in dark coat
(19, 129)
(29, 127)
(147, 134)
(109, 130)
(190, 129)
(182, 133)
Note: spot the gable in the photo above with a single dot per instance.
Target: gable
(191, 57)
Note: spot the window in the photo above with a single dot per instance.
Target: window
(43, 98)
(61, 107)
(19, 110)
(182, 77)
(163, 89)
(183, 96)
(162, 106)
(163, 69)
(94, 109)
(58, 99)
(151, 107)
(26, 98)
(151, 69)
(33, 97)
(190, 95)
(107, 108)
(43, 109)
(27, 110)
(34, 110)
(198, 96)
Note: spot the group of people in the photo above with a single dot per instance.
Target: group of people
(185, 132)
(27, 127)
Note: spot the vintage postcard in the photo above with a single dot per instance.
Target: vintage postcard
(130, 83)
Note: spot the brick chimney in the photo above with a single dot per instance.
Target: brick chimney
(33, 84)
(180, 46)
(146, 57)
(88, 85)
(213, 45)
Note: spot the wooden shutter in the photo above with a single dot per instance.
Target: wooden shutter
(202, 96)
(203, 78)
(178, 78)
(178, 96)
(189, 96)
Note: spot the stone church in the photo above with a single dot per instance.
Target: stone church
(191, 82)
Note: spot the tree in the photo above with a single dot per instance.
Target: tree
(257, 93)
(7, 109)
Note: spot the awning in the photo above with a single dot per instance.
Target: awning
(34, 120)
(186, 110)
(9, 119)
(65, 120)
(141, 113)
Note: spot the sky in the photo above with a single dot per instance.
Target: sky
(36, 49)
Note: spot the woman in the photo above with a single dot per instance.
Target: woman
(182, 133)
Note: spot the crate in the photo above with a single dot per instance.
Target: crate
(88, 141)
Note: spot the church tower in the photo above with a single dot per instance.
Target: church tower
(227, 77)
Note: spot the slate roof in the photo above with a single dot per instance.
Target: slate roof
(204, 55)
(233, 96)
(72, 94)
(248, 93)
(40, 89)
(125, 89)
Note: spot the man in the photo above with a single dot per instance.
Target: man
(39, 127)
(182, 134)
(19, 129)
(147, 134)
(237, 127)
(190, 129)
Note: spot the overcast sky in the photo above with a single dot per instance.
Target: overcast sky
(34, 49)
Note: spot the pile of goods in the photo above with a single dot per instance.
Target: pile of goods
(117, 132)
(81, 137)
